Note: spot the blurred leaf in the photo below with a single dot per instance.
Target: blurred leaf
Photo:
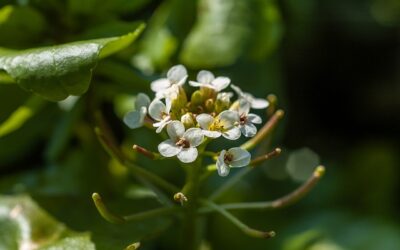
(62, 70)
(21, 115)
(225, 29)
(220, 34)
(16, 30)
(267, 30)
(24, 225)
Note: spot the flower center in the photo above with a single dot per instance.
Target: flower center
(216, 126)
(182, 142)
(243, 119)
(228, 158)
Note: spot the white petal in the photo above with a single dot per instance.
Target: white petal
(160, 125)
(175, 130)
(248, 130)
(244, 107)
(232, 134)
(205, 76)
(142, 100)
(211, 134)
(177, 74)
(259, 103)
(134, 119)
(253, 118)
(168, 148)
(225, 96)
(204, 120)
(160, 84)
(221, 83)
(241, 157)
(228, 118)
(156, 109)
(194, 136)
(196, 84)
(168, 105)
(238, 91)
(223, 169)
(188, 155)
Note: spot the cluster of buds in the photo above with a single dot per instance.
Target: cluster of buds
(208, 113)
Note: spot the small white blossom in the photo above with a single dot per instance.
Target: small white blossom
(223, 124)
(256, 103)
(160, 112)
(168, 87)
(207, 79)
(181, 143)
(246, 120)
(224, 96)
(234, 157)
(135, 119)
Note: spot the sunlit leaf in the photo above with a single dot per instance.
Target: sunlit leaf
(24, 225)
(59, 71)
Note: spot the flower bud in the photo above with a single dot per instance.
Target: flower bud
(223, 101)
(209, 104)
(197, 98)
(187, 120)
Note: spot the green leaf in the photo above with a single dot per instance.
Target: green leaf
(220, 34)
(228, 29)
(59, 71)
(24, 225)
(21, 115)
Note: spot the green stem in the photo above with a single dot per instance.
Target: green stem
(284, 201)
(245, 229)
(191, 191)
(117, 219)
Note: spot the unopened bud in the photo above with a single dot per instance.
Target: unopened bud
(187, 120)
(223, 101)
(197, 98)
(209, 105)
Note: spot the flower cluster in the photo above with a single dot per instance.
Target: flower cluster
(208, 112)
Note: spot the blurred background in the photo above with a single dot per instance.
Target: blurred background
(334, 66)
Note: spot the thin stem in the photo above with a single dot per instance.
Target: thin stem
(245, 229)
(233, 180)
(107, 140)
(284, 201)
(229, 183)
(257, 161)
(117, 219)
(264, 131)
(104, 212)
(209, 153)
(147, 153)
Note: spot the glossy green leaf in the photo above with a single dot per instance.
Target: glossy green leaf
(24, 225)
(59, 71)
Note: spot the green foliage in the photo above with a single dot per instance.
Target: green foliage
(59, 71)
(25, 225)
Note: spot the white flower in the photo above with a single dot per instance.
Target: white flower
(256, 103)
(223, 124)
(181, 143)
(160, 112)
(225, 97)
(207, 79)
(234, 157)
(135, 119)
(246, 120)
(165, 87)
